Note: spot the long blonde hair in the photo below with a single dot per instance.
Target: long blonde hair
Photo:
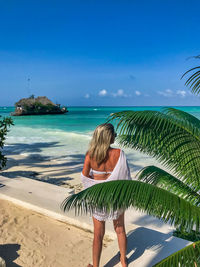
(102, 137)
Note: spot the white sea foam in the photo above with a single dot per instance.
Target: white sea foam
(49, 141)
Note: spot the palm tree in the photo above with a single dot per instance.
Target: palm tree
(171, 136)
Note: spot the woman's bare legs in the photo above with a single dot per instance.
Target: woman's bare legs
(99, 230)
(122, 240)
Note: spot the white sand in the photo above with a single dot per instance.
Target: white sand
(31, 239)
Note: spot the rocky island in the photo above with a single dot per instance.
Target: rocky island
(37, 106)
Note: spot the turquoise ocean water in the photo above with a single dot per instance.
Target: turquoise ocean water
(65, 134)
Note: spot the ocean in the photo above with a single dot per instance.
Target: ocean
(64, 135)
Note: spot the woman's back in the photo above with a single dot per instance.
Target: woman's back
(102, 171)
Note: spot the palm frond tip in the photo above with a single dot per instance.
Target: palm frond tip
(194, 80)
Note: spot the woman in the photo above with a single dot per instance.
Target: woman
(102, 164)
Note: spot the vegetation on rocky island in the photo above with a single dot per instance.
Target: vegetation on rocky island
(37, 106)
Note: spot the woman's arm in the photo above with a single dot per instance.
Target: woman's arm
(86, 166)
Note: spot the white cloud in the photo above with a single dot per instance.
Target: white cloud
(182, 93)
(103, 92)
(137, 92)
(166, 93)
(87, 96)
(119, 93)
(170, 93)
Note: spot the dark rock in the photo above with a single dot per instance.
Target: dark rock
(37, 106)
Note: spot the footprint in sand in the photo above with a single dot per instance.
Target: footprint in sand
(40, 237)
(4, 220)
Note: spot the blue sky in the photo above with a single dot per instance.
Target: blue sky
(98, 52)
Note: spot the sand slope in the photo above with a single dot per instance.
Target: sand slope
(30, 239)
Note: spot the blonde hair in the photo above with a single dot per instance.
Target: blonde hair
(102, 137)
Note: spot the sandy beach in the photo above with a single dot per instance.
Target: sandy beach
(30, 239)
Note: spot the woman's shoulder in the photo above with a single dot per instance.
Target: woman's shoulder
(115, 152)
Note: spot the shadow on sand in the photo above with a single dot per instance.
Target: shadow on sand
(142, 239)
(18, 148)
(8, 252)
(61, 166)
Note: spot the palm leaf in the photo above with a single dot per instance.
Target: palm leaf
(186, 257)
(190, 71)
(163, 179)
(113, 195)
(170, 139)
(192, 121)
(194, 80)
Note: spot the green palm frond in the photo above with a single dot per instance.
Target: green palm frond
(170, 139)
(186, 257)
(192, 121)
(169, 119)
(194, 80)
(113, 195)
(158, 177)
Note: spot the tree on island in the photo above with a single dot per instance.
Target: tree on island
(32, 97)
(171, 136)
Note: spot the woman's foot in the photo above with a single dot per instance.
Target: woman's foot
(124, 261)
(90, 265)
